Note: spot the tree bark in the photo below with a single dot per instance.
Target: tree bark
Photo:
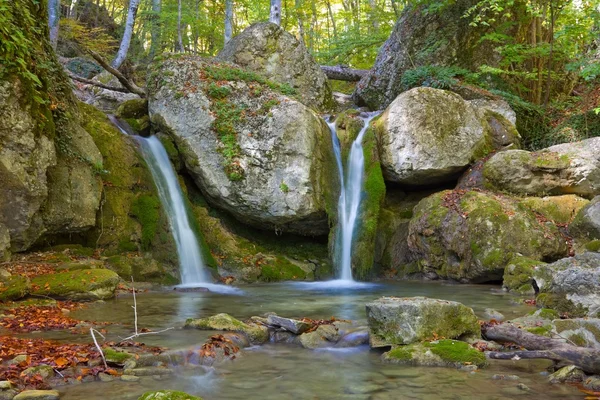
(130, 86)
(330, 12)
(300, 17)
(275, 14)
(228, 20)
(179, 37)
(53, 19)
(588, 359)
(155, 30)
(343, 73)
(126, 41)
(98, 84)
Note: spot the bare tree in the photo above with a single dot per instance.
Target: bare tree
(275, 15)
(126, 41)
(228, 20)
(179, 37)
(53, 18)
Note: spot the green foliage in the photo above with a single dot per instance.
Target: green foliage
(439, 77)
(95, 39)
(284, 187)
(218, 92)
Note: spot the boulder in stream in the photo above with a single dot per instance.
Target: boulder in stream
(257, 334)
(439, 353)
(168, 395)
(400, 321)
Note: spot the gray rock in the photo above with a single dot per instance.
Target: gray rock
(148, 371)
(291, 325)
(130, 378)
(429, 136)
(38, 395)
(323, 336)
(587, 221)
(571, 285)
(569, 374)
(490, 313)
(354, 339)
(276, 54)
(106, 377)
(592, 383)
(274, 168)
(395, 321)
(580, 331)
(45, 371)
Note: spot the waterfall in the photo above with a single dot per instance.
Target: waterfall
(350, 194)
(193, 270)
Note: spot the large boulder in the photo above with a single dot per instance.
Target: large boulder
(266, 48)
(263, 157)
(424, 37)
(472, 236)
(429, 136)
(406, 320)
(587, 222)
(93, 284)
(571, 285)
(565, 168)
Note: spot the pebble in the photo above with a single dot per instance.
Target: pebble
(106, 377)
(37, 395)
(5, 385)
(130, 378)
(469, 368)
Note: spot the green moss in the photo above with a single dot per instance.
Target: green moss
(561, 304)
(92, 283)
(593, 245)
(401, 353)
(518, 275)
(458, 352)
(281, 270)
(146, 209)
(135, 109)
(121, 266)
(116, 357)
(545, 330)
(14, 288)
(546, 313)
(168, 395)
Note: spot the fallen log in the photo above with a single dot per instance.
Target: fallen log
(586, 358)
(343, 73)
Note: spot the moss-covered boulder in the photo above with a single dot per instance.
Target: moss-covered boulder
(518, 275)
(14, 287)
(168, 395)
(349, 125)
(571, 285)
(142, 269)
(257, 334)
(397, 321)
(558, 209)
(93, 284)
(472, 235)
(586, 224)
(439, 353)
(323, 336)
(538, 322)
(256, 153)
(428, 136)
(583, 332)
(570, 168)
(267, 49)
(135, 113)
(4, 243)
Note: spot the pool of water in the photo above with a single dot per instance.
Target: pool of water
(278, 371)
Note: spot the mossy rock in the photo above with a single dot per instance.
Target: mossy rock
(558, 209)
(136, 108)
(518, 275)
(116, 357)
(583, 332)
(14, 287)
(257, 334)
(168, 395)
(93, 284)
(441, 353)
(593, 245)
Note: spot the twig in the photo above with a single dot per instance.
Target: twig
(98, 84)
(134, 308)
(146, 333)
(92, 330)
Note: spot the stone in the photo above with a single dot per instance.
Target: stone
(4, 244)
(45, 371)
(148, 371)
(570, 168)
(583, 332)
(273, 168)
(559, 209)
(267, 49)
(355, 338)
(538, 322)
(429, 136)
(587, 222)
(569, 374)
(592, 383)
(396, 321)
(518, 275)
(14, 287)
(571, 285)
(291, 325)
(167, 395)
(472, 236)
(38, 395)
(491, 314)
(5, 385)
(130, 378)
(323, 336)
(18, 359)
(93, 284)
(105, 99)
(439, 353)
(106, 377)
(257, 334)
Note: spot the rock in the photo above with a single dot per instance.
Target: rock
(106, 377)
(592, 383)
(583, 332)
(518, 275)
(5, 385)
(239, 339)
(273, 168)
(429, 136)
(423, 37)
(148, 371)
(282, 337)
(571, 285)
(117, 357)
(439, 353)
(569, 374)
(257, 334)
(135, 114)
(45, 371)
(267, 49)
(538, 322)
(93, 284)
(14, 287)
(559, 209)
(105, 99)
(4, 243)
(323, 336)
(570, 168)
(38, 395)
(587, 222)
(355, 338)
(167, 395)
(291, 325)
(491, 314)
(395, 321)
(472, 236)
(18, 359)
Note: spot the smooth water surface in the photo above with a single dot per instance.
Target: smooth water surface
(278, 371)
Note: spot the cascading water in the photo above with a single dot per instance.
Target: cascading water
(350, 194)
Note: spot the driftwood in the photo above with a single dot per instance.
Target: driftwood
(343, 73)
(98, 84)
(586, 358)
(127, 84)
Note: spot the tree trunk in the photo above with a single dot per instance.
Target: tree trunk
(373, 12)
(343, 73)
(586, 358)
(179, 37)
(395, 8)
(126, 41)
(300, 17)
(330, 12)
(275, 14)
(53, 19)
(228, 20)
(155, 29)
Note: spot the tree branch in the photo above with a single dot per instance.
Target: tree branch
(132, 87)
(98, 84)
(343, 73)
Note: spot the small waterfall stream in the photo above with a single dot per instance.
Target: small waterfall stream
(350, 194)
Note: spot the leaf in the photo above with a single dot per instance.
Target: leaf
(61, 362)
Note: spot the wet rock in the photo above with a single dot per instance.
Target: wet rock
(569, 374)
(283, 337)
(323, 336)
(5, 385)
(38, 395)
(106, 377)
(538, 322)
(571, 285)
(257, 334)
(239, 339)
(167, 395)
(583, 332)
(490, 313)
(130, 378)
(18, 359)
(592, 383)
(94, 284)
(291, 325)
(354, 339)
(394, 321)
(45, 371)
(441, 353)
(148, 371)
